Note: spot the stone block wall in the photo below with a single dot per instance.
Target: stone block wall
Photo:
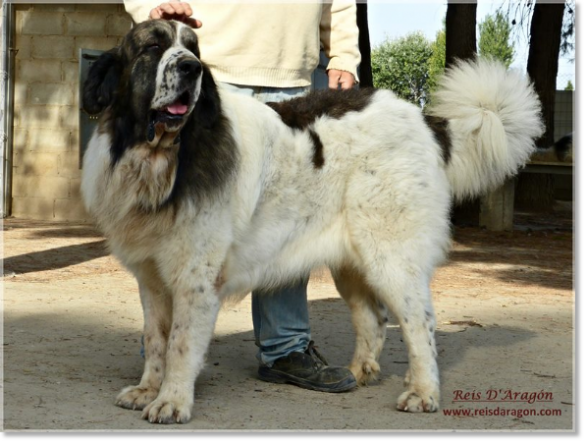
(46, 173)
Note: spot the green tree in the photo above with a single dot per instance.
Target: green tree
(402, 65)
(569, 86)
(494, 42)
(437, 61)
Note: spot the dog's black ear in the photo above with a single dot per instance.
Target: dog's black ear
(102, 81)
(208, 107)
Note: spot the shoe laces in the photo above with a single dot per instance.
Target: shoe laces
(317, 357)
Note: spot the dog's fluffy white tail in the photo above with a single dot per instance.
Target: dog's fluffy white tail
(494, 116)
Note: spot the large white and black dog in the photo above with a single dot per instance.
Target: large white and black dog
(203, 194)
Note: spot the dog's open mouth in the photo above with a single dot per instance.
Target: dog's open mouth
(169, 118)
(179, 107)
(174, 112)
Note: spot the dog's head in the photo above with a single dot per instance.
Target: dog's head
(154, 82)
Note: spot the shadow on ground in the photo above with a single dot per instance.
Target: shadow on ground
(67, 363)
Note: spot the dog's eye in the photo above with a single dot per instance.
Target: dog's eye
(153, 47)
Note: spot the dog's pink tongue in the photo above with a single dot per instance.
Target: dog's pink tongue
(177, 108)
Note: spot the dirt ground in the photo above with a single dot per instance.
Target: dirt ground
(505, 308)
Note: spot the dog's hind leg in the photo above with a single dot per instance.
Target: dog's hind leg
(397, 233)
(369, 318)
(405, 291)
(397, 262)
(156, 302)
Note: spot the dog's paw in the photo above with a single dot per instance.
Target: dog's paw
(136, 397)
(365, 371)
(168, 412)
(410, 401)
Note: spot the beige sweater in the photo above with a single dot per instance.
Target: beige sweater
(270, 43)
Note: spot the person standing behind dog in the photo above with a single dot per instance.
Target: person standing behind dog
(269, 51)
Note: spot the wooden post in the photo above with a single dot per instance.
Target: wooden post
(496, 208)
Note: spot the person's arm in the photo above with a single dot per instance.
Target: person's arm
(172, 10)
(339, 37)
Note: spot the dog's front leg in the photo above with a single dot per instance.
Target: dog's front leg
(195, 309)
(156, 304)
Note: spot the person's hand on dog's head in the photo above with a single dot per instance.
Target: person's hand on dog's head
(175, 10)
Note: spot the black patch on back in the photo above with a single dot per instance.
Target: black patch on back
(439, 127)
(318, 150)
(300, 112)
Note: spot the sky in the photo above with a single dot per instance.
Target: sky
(397, 18)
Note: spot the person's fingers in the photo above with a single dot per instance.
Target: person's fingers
(340, 79)
(333, 78)
(171, 8)
(193, 22)
(155, 13)
(347, 80)
(175, 10)
(187, 9)
(189, 21)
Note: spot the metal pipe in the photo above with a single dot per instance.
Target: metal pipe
(6, 112)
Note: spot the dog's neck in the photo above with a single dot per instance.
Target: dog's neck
(158, 137)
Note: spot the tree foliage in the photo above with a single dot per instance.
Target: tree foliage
(437, 62)
(494, 41)
(569, 86)
(411, 66)
(402, 65)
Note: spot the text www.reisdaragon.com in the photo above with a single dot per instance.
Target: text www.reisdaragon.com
(502, 412)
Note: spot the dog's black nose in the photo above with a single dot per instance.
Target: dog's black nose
(189, 67)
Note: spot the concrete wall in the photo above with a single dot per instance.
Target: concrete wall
(46, 174)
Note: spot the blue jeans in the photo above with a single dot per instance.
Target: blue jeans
(280, 318)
